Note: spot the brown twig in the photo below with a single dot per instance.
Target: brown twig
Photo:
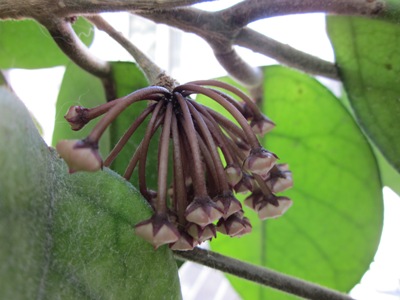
(285, 54)
(38, 9)
(248, 11)
(149, 68)
(72, 46)
(261, 275)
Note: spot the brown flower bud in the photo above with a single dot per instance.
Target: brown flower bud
(76, 117)
(203, 211)
(260, 161)
(233, 174)
(157, 230)
(228, 204)
(280, 180)
(184, 243)
(245, 185)
(232, 226)
(262, 125)
(202, 234)
(267, 210)
(247, 228)
(79, 155)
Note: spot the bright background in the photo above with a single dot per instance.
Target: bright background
(186, 57)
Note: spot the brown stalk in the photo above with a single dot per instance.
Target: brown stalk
(188, 126)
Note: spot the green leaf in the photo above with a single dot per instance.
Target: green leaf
(70, 236)
(27, 44)
(368, 56)
(331, 233)
(78, 87)
(390, 177)
(2, 79)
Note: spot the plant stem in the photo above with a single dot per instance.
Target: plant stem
(199, 183)
(249, 11)
(161, 203)
(238, 68)
(123, 103)
(150, 69)
(285, 54)
(215, 83)
(209, 141)
(208, 160)
(215, 130)
(64, 8)
(145, 146)
(72, 46)
(127, 135)
(261, 275)
(228, 125)
(254, 143)
(180, 195)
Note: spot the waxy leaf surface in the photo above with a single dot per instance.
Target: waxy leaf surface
(331, 233)
(27, 44)
(368, 56)
(70, 236)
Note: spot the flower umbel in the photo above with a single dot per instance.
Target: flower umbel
(212, 157)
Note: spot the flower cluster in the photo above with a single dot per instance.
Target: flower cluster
(213, 158)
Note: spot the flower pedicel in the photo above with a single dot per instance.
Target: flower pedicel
(200, 198)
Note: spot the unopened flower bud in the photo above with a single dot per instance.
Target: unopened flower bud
(268, 210)
(260, 161)
(245, 185)
(254, 198)
(184, 243)
(202, 234)
(157, 230)
(203, 211)
(280, 180)
(232, 226)
(228, 204)
(233, 174)
(262, 125)
(76, 117)
(79, 155)
(247, 228)
(281, 184)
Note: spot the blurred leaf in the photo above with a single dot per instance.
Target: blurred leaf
(368, 55)
(2, 79)
(78, 87)
(70, 236)
(27, 44)
(331, 233)
(37, 124)
(390, 177)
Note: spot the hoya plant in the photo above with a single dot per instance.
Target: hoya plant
(281, 177)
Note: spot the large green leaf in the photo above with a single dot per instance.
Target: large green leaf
(27, 44)
(331, 233)
(68, 236)
(390, 177)
(368, 56)
(78, 87)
